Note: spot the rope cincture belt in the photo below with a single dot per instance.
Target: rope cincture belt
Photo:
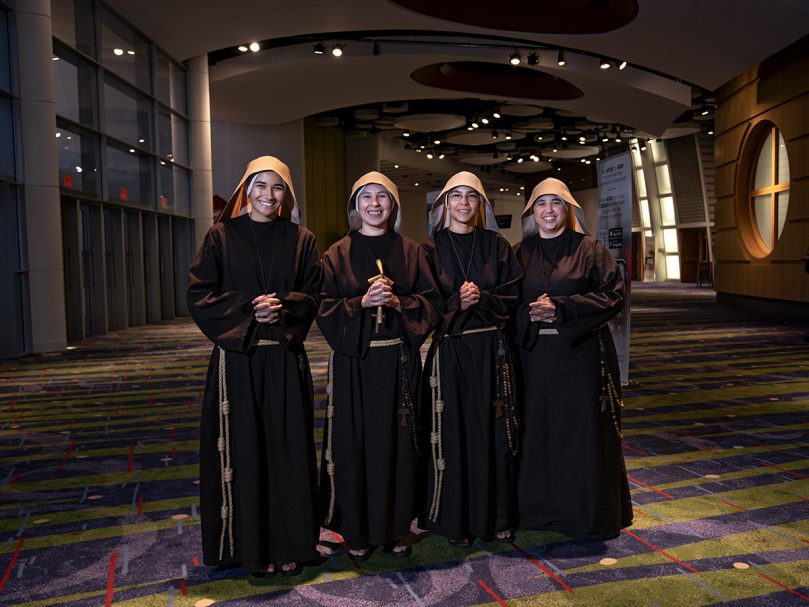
(503, 403)
(223, 446)
(329, 452)
(225, 469)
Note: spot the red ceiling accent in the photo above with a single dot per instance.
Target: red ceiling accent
(539, 16)
(495, 79)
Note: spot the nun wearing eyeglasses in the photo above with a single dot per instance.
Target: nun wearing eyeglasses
(253, 291)
(471, 419)
(572, 477)
(377, 308)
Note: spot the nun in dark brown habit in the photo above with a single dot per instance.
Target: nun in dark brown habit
(376, 310)
(572, 477)
(253, 291)
(471, 420)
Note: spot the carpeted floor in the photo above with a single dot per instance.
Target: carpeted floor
(98, 481)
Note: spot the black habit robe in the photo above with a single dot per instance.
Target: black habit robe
(572, 476)
(477, 490)
(269, 389)
(373, 438)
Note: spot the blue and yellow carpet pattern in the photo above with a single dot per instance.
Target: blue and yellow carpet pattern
(99, 481)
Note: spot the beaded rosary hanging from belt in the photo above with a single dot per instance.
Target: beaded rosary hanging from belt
(265, 280)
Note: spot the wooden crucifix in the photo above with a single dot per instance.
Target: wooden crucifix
(379, 314)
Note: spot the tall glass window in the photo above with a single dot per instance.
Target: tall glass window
(123, 52)
(128, 115)
(78, 159)
(72, 22)
(129, 176)
(74, 83)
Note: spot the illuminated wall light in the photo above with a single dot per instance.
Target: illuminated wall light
(243, 49)
(604, 63)
(561, 58)
(317, 49)
(337, 50)
(255, 47)
(118, 51)
(514, 58)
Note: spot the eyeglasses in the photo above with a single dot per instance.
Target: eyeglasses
(471, 197)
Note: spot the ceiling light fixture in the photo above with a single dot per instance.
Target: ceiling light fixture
(604, 63)
(255, 47)
(621, 65)
(317, 49)
(496, 115)
(533, 58)
(118, 51)
(514, 58)
(643, 146)
(475, 125)
(406, 134)
(337, 50)
(243, 48)
(560, 58)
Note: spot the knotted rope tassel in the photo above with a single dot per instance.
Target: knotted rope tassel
(225, 469)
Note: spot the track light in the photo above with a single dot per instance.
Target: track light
(560, 58)
(533, 58)
(242, 49)
(604, 63)
(318, 49)
(495, 115)
(484, 120)
(495, 134)
(621, 65)
(643, 146)
(514, 58)
(406, 134)
(255, 47)
(508, 135)
(337, 50)
(475, 125)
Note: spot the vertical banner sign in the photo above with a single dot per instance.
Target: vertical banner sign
(615, 232)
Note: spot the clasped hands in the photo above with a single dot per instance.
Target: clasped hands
(380, 293)
(267, 308)
(470, 295)
(542, 310)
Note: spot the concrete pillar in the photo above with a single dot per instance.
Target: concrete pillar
(199, 113)
(43, 223)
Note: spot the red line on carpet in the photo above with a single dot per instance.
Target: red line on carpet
(635, 450)
(140, 505)
(195, 561)
(183, 587)
(129, 463)
(655, 489)
(67, 454)
(784, 470)
(639, 511)
(784, 586)
(663, 552)
(16, 554)
(732, 505)
(539, 565)
(492, 593)
(111, 579)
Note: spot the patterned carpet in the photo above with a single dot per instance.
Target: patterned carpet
(98, 481)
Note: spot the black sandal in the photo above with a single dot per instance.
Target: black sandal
(462, 542)
(406, 550)
(365, 554)
(296, 570)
